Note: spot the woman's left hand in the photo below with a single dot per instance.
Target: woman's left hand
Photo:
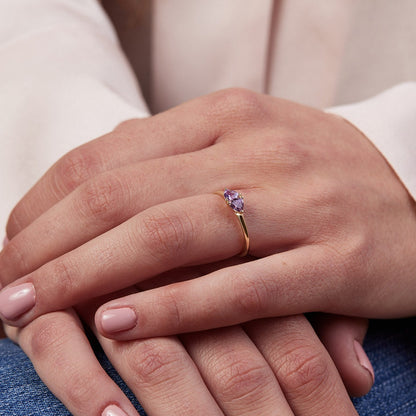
(331, 224)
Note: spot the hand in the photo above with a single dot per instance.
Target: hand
(331, 222)
(224, 358)
(63, 358)
(274, 366)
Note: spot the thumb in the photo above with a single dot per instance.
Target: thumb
(343, 337)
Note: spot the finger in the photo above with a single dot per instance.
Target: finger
(236, 373)
(343, 337)
(304, 369)
(162, 376)
(113, 197)
(189, 127)
(279, 285)
(159, 239)
(159, 372)
(62, 356)
(191, 230)
(101, 204)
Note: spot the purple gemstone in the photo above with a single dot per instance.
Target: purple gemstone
(234, 200)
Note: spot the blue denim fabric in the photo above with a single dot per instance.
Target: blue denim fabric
(22, 393)
(391, 346)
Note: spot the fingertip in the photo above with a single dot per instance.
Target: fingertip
(342, 337)
(115, 320)
(113, 410)
(363, 359)
(17, 300)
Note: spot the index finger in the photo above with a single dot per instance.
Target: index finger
(188, 127)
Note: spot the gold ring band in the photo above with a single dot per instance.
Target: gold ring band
(235, 201)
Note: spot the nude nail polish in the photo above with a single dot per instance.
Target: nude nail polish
(16, 300)
(363, 358)
(119, 319)
(113, 410)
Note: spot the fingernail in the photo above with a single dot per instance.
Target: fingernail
(116, 320)
(113, 410)
(363, 358)
(5, 241)
(15, 301)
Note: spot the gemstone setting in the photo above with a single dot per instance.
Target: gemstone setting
(235, 200)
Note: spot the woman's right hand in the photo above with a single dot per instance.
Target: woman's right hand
(266, 366)
(270, 366)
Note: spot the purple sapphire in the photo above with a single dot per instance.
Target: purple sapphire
(234, 200)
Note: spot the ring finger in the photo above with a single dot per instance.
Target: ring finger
(63, 358)
(306, 373)
(236, 373)
(192, 230)
(161, 375)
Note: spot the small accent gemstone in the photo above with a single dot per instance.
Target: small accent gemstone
(234, 200)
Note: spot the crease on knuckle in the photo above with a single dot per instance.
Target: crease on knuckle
(44, 337)
(249, 295)
(164, 234)
(63, 276)
(170, 301)
(240, 379)
(72, 170)
(100, 199)
(303, 371)
(153, 363)
(80, 386)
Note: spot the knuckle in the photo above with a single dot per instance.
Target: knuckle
(73, 169)
(45, 336)
(303, 370)
(101, 198)
(170, 301)
(79, 386)
(240, 103)
(291, 153)
(240, 379)
(154, 361)
(350, 259)
(128, 127)
(355, 252)
(165, 234)
(63, 276)
(249, 295)
(46, 340)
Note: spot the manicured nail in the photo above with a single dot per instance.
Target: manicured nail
(113, 410)
(17, 300)
(116, 320)
(5, 241)
(363, 358)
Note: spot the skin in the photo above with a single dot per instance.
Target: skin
(272, 366)
(100, 202)
(228, 371)
(268, 366)
(330, 223)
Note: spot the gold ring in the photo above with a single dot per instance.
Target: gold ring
(235, 201)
